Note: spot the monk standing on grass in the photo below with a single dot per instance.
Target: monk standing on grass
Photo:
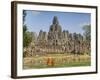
(50, 62)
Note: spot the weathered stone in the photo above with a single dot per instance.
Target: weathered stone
(58, 41)
(55, 33)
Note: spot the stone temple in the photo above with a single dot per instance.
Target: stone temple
(58, 41)
(55, 36)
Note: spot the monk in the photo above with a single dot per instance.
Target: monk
(50, 62)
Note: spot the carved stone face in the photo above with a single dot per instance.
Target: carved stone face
(55, 20)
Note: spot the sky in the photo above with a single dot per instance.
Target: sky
(71, 21)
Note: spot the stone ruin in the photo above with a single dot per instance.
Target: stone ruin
(58, 41)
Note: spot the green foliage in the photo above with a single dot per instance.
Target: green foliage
(24, 29)
(87, 32)
(27, 39)
(24, 15)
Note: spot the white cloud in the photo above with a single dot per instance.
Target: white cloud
(83, 24)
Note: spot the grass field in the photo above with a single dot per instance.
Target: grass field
(56, 60)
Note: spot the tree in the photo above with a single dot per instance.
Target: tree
(24, 25)
(24, 29)
(27, 38)
(87, 32)
(87, 41)
(24, 15)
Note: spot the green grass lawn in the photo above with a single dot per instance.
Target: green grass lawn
(74, 64)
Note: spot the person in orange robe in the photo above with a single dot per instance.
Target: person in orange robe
(50, 62)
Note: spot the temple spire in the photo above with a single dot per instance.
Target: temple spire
(55, 20)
